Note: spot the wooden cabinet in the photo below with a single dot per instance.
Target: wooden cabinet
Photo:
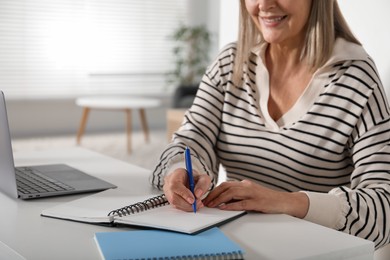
(174, 120)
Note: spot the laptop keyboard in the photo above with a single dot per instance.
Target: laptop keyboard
(31, 181)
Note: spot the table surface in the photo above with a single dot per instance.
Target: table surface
(261, 236)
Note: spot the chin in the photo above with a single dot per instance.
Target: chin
(272, 40)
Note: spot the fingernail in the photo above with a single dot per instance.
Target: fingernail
(190, 200)
(222, 206)
(198, 193)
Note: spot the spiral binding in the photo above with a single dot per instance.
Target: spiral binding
(236, 255)
(150, 203)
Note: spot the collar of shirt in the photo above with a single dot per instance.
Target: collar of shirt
(342, 51)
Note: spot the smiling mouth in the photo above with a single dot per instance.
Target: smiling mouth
(274, 19)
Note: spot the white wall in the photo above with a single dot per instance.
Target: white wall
(205, 12)
(228, 22)
(44, 117)
(368, 19)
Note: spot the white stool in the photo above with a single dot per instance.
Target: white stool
(117, 103)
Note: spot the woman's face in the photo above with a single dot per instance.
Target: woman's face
(280, 21)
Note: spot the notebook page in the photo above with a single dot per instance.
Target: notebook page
(94, 208)
(167, 217)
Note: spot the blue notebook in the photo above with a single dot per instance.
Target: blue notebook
(156, 244)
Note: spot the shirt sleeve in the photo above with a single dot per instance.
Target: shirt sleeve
(199, 129)
(320, 203)
(363, 208)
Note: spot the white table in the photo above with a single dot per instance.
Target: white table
(126, 104)
(261, 236)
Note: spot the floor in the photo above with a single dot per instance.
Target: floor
(112, 144)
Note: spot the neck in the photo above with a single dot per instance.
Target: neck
(284, 57)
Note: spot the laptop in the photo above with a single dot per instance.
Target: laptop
(29, 182)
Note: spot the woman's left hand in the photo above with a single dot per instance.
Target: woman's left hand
(246, 195)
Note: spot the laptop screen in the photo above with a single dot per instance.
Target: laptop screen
(7, 167)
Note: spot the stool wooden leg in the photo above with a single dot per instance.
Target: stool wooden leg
(128, 129)
(144, 124)
(83, 123)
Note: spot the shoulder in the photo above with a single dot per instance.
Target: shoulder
(229, 49)
(221, 68)
(357, 81)
(227, 54)
(352, 61)
(345, 52)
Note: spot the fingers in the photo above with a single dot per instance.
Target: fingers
(237, 205)
(221, 194)
(180, 198)
(177, 192)
(229, 195)
(203, 182)
(178, 202)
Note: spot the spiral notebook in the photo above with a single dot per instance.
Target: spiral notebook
(120, 207)
(157, 244)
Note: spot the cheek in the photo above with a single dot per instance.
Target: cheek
(301, 21)
(303, 13)
(252, 7)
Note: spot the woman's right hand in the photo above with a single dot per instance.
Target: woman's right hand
(176, 189)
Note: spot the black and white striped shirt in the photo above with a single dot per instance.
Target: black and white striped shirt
(332, 144)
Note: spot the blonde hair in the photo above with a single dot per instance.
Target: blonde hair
(325, 24)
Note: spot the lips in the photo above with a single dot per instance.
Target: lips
(273, 19)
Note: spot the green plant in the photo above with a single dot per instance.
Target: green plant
(191, 54)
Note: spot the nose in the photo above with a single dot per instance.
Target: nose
(266, 5)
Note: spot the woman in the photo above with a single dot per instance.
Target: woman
(296, 112)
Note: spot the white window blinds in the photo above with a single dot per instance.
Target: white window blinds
(68, 48)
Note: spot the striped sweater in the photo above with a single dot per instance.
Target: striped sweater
(332, 144)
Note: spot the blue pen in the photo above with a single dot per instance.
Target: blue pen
(187, 155)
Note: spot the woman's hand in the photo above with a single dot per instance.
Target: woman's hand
(179, 195)
(246, 195)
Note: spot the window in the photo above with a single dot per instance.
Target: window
(67, 48)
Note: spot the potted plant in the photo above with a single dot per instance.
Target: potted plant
(191, 55)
